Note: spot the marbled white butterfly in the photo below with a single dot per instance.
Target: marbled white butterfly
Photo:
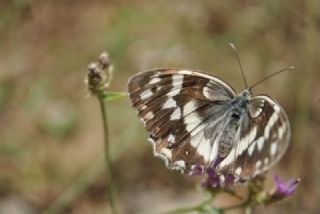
(195, 119)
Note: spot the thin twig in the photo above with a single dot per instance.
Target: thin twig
(107, 155)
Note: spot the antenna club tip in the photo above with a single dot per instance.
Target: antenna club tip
(292, 67)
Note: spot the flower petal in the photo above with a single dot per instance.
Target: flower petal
(284, 188)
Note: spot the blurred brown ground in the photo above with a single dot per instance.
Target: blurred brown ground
(50, 130)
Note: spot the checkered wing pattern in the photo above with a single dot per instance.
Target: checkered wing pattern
(183, 111)
(195, 119)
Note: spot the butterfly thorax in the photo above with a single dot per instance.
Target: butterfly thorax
(240, 103)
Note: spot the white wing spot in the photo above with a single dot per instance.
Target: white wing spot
(231, 157)
(191, 118)
(158, 88)
(222, 179)
(251, 149)
(260, 143)
(166, 152)
(177, 81)
(170, 103)
(171, 139)
(257, 112)
(196, 130)
(238, 171)
(204, 148)
(206, 92)
(143, 121)
(176, 114)
(214, 150)
(273, 148)
(192, 121)
(189, 107)
(180, 163)
(281, 130)
(195, 140)
(146, 94)
(149, 116)
(154, 80)
(173, 93)
(272, 120)
(245, 141)
(258, 164)
(151, 140)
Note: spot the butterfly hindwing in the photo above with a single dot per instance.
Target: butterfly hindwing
(177, 107)
(263, 138)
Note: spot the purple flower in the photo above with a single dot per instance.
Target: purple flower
(197, 170)
(214, 180)
(284, 188)
(217, 181)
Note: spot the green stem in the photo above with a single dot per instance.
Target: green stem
(184, 210)
(233, 193)
(203, 206)
(107, 155)
(244, 204)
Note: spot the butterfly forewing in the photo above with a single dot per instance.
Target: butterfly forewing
(263, 137)
(177, 107)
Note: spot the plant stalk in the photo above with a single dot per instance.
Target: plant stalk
(111, 195)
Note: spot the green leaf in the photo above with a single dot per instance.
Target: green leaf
(110, 95)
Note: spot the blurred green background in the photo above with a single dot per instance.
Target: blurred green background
(51, 149)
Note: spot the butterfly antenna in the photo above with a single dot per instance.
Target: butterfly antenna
(238, 59)
(271, 75)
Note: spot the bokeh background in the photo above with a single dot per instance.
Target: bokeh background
(51, 145)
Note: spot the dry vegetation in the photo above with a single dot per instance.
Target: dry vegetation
(50, 131)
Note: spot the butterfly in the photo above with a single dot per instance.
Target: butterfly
(195, 119)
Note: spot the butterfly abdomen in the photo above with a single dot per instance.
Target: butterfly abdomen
(238, 109)
(228, 136)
